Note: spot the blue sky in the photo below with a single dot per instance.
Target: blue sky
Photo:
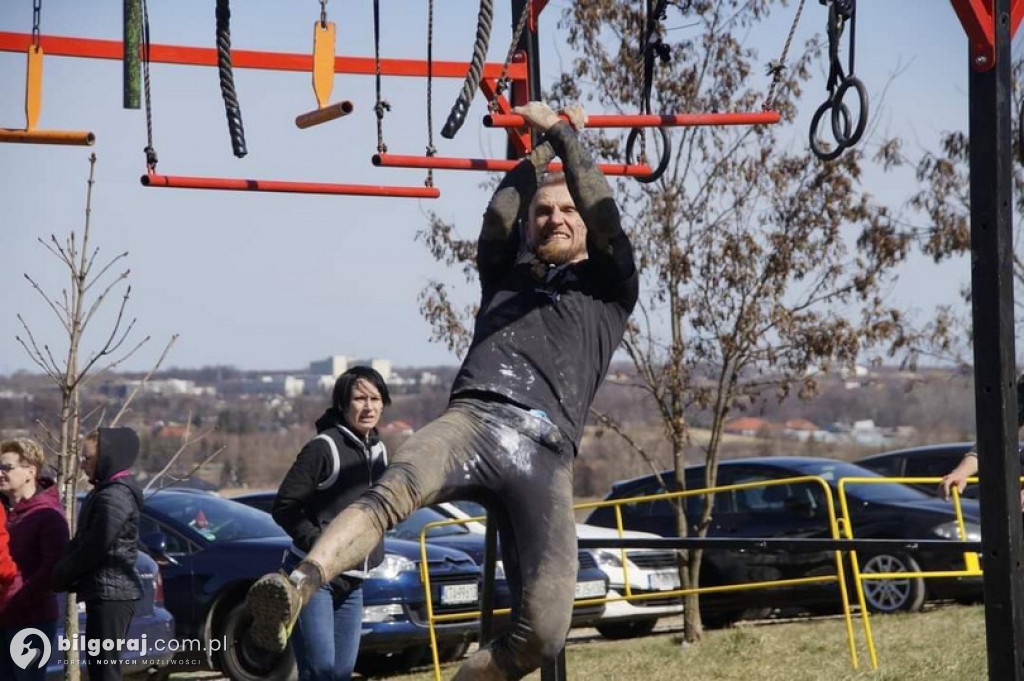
(273, 281)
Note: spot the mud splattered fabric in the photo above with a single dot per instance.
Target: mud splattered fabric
(544, 336)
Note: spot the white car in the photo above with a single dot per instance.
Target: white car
(650, 571)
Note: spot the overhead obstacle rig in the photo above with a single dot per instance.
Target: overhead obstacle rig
(652, 49)
(320, 64)
(512, 72)
(34, 98)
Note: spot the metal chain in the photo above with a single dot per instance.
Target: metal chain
(150, 150)
(381, 105)
(431, 150)
(37, 10)
(503, 79)
(777, 67)
(323, 13)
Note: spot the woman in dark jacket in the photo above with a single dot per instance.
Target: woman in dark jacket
(99, 563)
(333, 470)
(38, 533)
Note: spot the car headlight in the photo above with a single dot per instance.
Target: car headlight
(392, 566)
(608, 558)
(951, 530)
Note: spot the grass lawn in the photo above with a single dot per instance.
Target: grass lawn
(944, 643)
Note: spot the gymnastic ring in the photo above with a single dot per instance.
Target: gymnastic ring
(815, 121)
(662, 163)
(842, 134)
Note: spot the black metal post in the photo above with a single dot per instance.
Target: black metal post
(994, 355)
(487, 597)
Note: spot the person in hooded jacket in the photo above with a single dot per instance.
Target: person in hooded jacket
(38, 532)
(99, 563)
(333, 470)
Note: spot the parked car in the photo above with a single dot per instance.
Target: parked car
(798, 510)
(151, 619)
(650, 571)
(590, 580)
(924, 462)
(212, 549)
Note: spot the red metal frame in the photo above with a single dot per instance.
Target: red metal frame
(91, 48)
(979, 24)
(239, 184)
(492, 164)
(649, 120)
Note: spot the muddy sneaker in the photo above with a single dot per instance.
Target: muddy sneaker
(275, 604)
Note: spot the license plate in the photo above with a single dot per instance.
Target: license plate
(458, 594)
(590, 590)
(666, 580)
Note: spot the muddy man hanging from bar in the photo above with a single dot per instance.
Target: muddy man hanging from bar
(558, 285)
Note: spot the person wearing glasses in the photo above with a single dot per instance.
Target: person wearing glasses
(38, 533)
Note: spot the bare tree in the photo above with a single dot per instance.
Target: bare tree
(75, 309)
(761, 266)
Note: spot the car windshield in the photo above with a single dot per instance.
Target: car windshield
(411, 527)
(215, 519)
(832, 471)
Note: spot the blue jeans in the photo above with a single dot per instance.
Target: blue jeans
(12, 672)
(326, 635)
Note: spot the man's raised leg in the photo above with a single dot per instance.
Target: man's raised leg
(417, 475)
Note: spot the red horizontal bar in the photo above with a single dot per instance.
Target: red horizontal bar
(61, 46)
(492, 164)
(237, 184)
(648, 120)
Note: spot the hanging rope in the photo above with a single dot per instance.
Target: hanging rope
(150, 150)
(503, 79)
(431, 149)
(381, 106)
(775, 68)
(845, 130)
(37, 11)
(651, 46)
(227, 79)
(323, 13)
(457, 116)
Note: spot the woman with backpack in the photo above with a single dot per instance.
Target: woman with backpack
(333, 470)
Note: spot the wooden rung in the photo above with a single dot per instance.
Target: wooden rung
(328, 113)
(68, 137)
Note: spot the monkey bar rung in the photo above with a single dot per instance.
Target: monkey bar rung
(240, 184)
(492, 164)
(649, 120)
(67, 137)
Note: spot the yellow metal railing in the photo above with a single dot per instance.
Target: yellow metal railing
(833, 527)
(971, 563)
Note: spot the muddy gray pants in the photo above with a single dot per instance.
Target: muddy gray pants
(516, 464)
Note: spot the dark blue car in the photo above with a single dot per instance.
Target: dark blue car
(212, 549)
(151, 622)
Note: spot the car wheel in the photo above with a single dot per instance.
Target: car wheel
(617, 631)
(893, 595)
(243, 660)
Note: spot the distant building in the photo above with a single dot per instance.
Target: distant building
(333, 366)
(749, 426)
